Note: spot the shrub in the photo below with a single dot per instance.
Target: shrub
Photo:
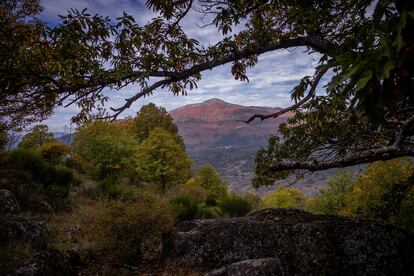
(32, 179)
(54, 151)
(185, 207)
(194, 191)
(235, 206)
(333, 199)
(208, 179)
(109, 187)
(28, 161)
(208, 212)
(21, 184)
(255, 201)
(284, 198)
(131, 230)
(59, 186)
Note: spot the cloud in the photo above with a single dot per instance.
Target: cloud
(271, 80)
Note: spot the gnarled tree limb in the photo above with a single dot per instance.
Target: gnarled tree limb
(310, 95)
(313, 42)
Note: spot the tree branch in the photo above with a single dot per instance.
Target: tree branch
(379, 154)
(182, 15)
(310, 95)
(316, 43)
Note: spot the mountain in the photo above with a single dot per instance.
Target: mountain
(64, 137)
(214, 133)
(217, 124)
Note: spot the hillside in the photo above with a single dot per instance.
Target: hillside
(215, 123)
(214, 133)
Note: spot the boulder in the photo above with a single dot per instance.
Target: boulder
(47, 262)
(19, 229)
(8, 204)
(298, 243)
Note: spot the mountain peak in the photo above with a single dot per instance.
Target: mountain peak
(215, 100)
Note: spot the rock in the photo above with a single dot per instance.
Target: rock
(47, 262)
(8, 204)
(256, 267)
(303, 244)
(18, 229)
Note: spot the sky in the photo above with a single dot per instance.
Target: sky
(270, 81)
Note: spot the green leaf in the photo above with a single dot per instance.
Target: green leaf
(387, 68)
(364, 79)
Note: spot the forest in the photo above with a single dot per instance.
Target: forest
(123, 198)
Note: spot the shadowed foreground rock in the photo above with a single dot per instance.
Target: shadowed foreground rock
(8, 204)
(18, 229)
(47, 262)
(292, 242)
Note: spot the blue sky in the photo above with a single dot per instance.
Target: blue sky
(271, 79)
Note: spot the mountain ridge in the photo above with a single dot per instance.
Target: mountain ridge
(216, 123)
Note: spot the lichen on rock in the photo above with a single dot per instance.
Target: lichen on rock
(303, 244)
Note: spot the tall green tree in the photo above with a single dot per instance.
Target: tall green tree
(25, 92)
(37, 137)
(103, 148)
(162, 161)
(150, 117)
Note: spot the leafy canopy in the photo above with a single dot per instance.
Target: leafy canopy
(150, 117)
(366, 57)
(37, 137)
(209, 179)
(102, 149)
(284, 198)
(161, 160)
(54, 151)
(384, 191)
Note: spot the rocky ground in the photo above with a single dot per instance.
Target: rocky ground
(292, 242)
(265, 242)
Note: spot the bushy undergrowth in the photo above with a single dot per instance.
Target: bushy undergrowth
(185, 207)
(381, 192)
(133, 229)
(235, 206)
(284, 198)
(10, 254)
(32, 179)
(255, 200)
(188, 207)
